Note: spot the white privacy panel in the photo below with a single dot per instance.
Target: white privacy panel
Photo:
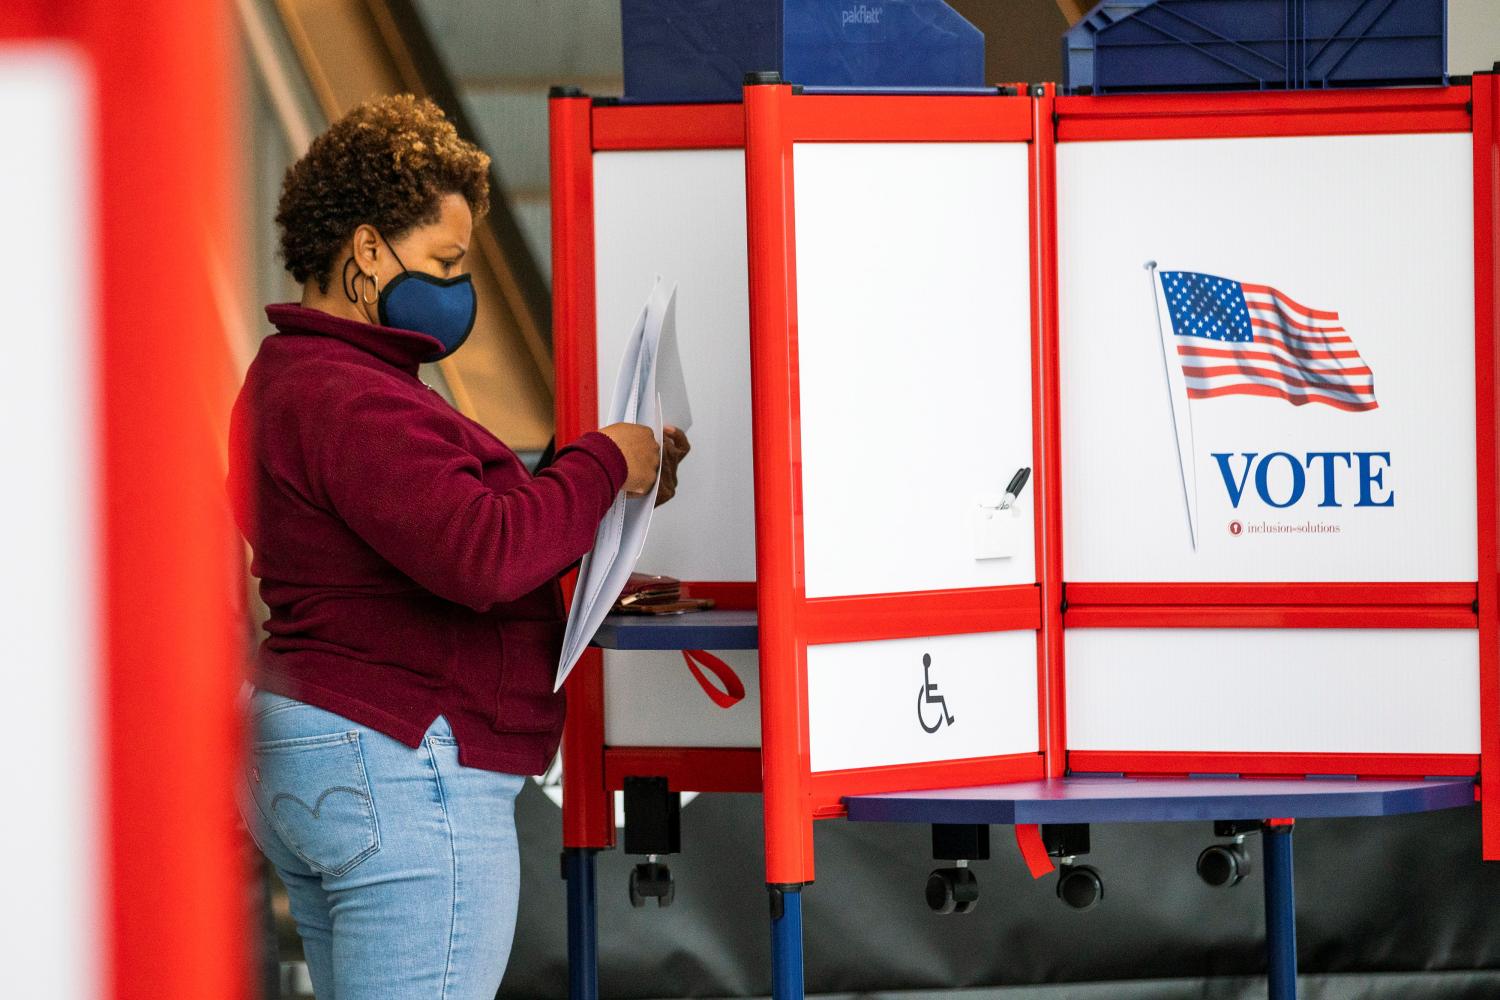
(680, 214)
(1372, 235)
(914, 345)
(54, 925)
(868, 702)
(652, 700)
(1274, 690)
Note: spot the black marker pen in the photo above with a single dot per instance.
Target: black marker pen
(1017, 484)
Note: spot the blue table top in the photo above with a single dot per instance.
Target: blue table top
(1148, 800)
(707, 630)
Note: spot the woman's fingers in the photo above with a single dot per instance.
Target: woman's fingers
(675, 447)
(642, 455)
(676, 439)
(667, 488)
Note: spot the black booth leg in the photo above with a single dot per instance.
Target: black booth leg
(580, 871)
(786, 942)
(1281, 912)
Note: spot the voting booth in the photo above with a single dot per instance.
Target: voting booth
(639, 192)
(1276, 326)
(857, 325)
(1242, 344)
(896, 389)
(848, 479)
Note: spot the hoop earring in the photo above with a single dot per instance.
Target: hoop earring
(347, 283)
(376, 282)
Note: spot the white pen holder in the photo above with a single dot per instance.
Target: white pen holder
(997, 528)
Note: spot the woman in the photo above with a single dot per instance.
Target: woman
(410, 563)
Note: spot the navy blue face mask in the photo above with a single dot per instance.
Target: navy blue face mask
(441, 308)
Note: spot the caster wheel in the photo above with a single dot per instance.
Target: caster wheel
(952, 890)
(637, 900)
(652, 881)
(1223, 865)
(1079, 886)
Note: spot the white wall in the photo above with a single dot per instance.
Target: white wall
(1473, 35)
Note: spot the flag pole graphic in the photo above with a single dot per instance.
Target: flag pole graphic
(1182, 414)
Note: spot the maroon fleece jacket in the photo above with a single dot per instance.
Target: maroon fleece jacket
(409, 559)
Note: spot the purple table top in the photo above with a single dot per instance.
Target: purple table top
(717, 630)
(1156, 800)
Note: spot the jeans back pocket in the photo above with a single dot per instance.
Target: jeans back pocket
(315, 794)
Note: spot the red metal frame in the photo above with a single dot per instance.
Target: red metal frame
(886, 118)
(168, 856)
(727, 595)
(1486, 110)
(1456, 605)
(933, 612)
(1247, 115)
(785, 747)
(588, 808)
(687, 769)
(668, 126)
(1270, 616)
(777, 118)
(1261, 594)
(165, 145)
(828, 789)
(1274, 765)
(1051, 667)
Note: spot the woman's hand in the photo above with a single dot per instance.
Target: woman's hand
(675, 450)
(642, 455)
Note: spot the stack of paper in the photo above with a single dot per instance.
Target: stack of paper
(652, 390)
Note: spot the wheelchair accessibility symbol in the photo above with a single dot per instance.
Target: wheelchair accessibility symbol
(927, 694)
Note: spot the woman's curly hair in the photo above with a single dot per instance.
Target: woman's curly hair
(388, 162)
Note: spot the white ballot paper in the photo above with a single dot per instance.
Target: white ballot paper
(650, 389)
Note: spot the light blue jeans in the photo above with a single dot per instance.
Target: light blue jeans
(401, 865)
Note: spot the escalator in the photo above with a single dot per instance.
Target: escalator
(344, 51)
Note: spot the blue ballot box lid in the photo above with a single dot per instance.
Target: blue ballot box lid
(1173, 45)
(701, 50)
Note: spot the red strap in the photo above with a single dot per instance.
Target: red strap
(1033, 850)
(734, 688)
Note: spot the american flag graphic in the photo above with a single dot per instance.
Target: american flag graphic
(1237, 339)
